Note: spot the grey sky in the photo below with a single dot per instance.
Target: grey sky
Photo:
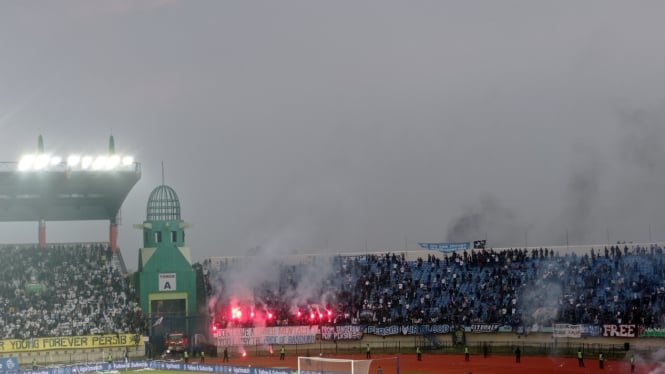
(314, 125)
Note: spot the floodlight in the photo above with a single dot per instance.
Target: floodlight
(73, 160)
(55, 160)
(41, 161)
(86, 162)
(112, 162)
(26, 162)
(99, 163)
(127, 160)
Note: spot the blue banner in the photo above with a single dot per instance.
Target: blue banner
(446, 247)
(160, 365)
(9, 364)
(407, 330)
(592, 330)
(483, 327)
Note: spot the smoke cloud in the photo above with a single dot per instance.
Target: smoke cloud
(581, 195)
(488, 217)
(643, 134)
(261, 281)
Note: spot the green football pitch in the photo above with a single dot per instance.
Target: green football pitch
(153, 371)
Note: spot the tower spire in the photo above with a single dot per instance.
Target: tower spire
(40, 144)
(111, 145)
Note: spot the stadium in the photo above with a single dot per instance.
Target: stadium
(458, 307)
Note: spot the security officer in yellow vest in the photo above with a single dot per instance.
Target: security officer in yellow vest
(185, 355)
(109, 359)
(580, 358)
(601, 360)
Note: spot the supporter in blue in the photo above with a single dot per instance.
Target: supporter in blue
(509, 287)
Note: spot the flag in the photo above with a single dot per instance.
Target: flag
(158, 321)
(479, 244)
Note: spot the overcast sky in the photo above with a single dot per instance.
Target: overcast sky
(345, 125)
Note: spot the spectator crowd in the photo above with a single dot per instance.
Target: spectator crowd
(75, 289)
(64, 290)
(515, 287)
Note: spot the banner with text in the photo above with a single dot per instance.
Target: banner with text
(565, 330)
(154, 365)
(484, 327)
(407, 330)
(653, 333)
(592, 330)
(622, 331)
(267, 335)
(67, 342)
(446, 247)
(346, 332)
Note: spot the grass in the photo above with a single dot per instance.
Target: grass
(153, 371)
(193, 372)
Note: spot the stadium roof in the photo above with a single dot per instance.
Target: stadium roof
(62, 194)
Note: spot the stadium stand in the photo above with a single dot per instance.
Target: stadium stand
(615, 284)
(75, 289)
(63, 290)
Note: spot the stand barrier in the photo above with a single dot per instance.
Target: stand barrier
(160, 365)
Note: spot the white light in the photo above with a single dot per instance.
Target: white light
(45, 161)
(26, 162)
(99, 163)
(112, 162)
(41, 161)
(73, 160)
(86, 162)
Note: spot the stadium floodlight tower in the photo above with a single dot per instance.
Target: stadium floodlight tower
(47, 187)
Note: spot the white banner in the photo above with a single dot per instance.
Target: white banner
(624, 331)
(267, 335)
(564, 330)
(167, 282)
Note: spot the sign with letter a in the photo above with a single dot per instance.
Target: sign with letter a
(167, 282)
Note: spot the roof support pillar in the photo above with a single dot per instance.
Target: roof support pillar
(42, 233)
(113, 236)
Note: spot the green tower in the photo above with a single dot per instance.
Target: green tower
(165, 278)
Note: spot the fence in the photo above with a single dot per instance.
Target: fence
(443, 344)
